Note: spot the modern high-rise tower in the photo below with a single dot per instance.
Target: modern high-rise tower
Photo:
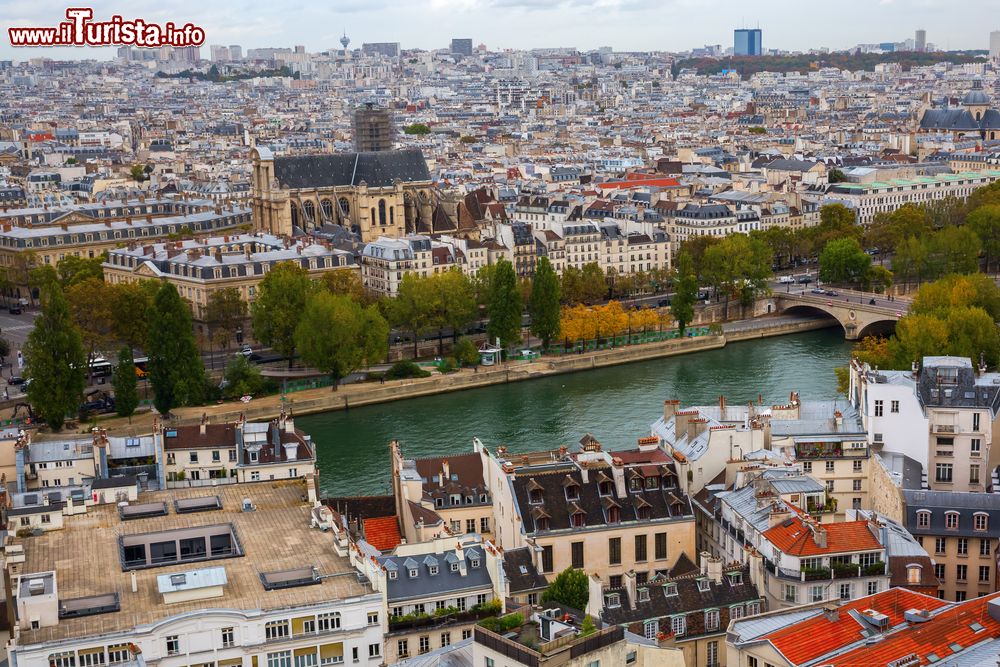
(373, 128)
(461, 47)
(747, 42)
(920, 41)
(995, 45)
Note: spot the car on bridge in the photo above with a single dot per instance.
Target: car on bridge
(805, 280)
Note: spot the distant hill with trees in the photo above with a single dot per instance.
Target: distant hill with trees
(747, 66)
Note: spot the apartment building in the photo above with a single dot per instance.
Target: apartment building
(191, 577)
(441, 496)
(200, 267)
(608, 513)
(961, 532)
(869, 199)
(690, 611)
(385, 261)
(435, 592)
(941, 414)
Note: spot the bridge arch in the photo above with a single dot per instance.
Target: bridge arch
(857, 320)
(884, 327)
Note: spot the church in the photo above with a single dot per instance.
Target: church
(373, 194)
(974, 120)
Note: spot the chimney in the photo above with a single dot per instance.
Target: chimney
(819, 535)
(203, 427)
(831, 612)
(696, 427)
(135, 583)
(722, 406)
(628, 580)
(670, 408)
(681, 419)
(445, 472)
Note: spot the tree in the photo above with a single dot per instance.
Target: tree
(697, 247)
(836, 176)
(129, 305)
(412, 309)
(55, 360)
(224, 315)
(952, 250)
(593, 284)
(90, 306)
(347, 283)
(124, 383)
(175, 368)
(242, 378)
(137, 173)
(909, 263)
(457, 299)
(958, 291)
(466, 352)
(278, 307)
(570, 587)
(686, 287)
(571, 286)
(985, 223)
(338, 336)
(505, 309)
(739, 266)
(543, 306)
(72, 269)
(843, 261)
(4, 350)
(417, 129)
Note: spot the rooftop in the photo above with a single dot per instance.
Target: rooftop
(275, 536)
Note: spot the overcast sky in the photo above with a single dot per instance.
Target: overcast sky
(671, 25)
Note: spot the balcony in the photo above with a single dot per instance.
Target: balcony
(415, 621)
(942, 428)
(835, 571)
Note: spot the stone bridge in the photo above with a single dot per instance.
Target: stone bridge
(857, 316)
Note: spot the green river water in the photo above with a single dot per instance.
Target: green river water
(615, 404)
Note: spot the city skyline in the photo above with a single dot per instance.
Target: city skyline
(625, 25)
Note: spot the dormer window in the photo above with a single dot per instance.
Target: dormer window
(614, 515)
(439, 502)
(643, 513)
(643, 595)
(572, 492)
(735, 578)
(980, 521)
(605, 488)
(454, 567)
(951, 520)
(254, 456)
(578, 520)
(542, 523)
(913, 574)
(483, 498)
(652, 482)
(413, 573)
(703, 585)
(535, 497)
(474, 562)
(392, 574)
(613, 600)
(469, 500)
(670, 590)
(433, 570)
(923, 519)
(635, 484)
(456, 499)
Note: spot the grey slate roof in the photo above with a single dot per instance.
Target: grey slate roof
(405, 587)
(940, 502)
(948, 119)
(378, 170)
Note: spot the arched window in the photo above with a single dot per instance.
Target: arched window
(310, 210)
(951, 520)
(381, 212)
(373, 216)
(327, 206)
(913, 573)
(980, 521)
(979, 116)
(345, 206)
(295, 215)
(392, 215)
(923, 519)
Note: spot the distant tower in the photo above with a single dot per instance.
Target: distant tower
(373, 128)
(747, 42)
(920, 41)
(995, 45)
(345, 41)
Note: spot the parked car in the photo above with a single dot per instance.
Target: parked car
(786, 279)
(831, 292)
(15, 380)
(805, 280)
(817, 290)
(246, 351)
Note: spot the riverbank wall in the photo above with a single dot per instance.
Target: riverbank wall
(357, 395)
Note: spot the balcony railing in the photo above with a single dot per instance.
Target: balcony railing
(943, 428)
(835, 571)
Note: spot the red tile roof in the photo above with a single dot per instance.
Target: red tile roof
(947, 627)
(819, 635)
(382, 532)
(794, 537)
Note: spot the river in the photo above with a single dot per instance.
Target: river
(614, 404)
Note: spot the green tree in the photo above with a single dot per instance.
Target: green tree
(55, 360)
(738, 266)
(72, 269)
(593, 284)
(836, 176)
(225, 313)
(138, 173)
(844, 262)
(124, 383)
(952, 250)
(90, 306)
(505, 308)
(278, 307)
(242, 378)
(909, 263)
(570, 587)
(457, 299)
(957, 291)
(686, 291)
(417, 128)
(571, 286)
(347, 283)
(466, 352)
(543, 306)
(413, 308)
(338, 336)
(129, 305)
(175, 368)
(985, 223)
(697, 247)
